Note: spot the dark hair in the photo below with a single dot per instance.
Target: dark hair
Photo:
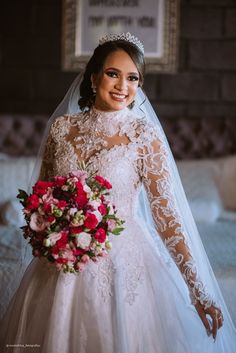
(96, 62)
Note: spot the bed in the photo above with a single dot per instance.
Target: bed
(205, 152)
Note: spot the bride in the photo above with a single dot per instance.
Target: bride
(155, 292)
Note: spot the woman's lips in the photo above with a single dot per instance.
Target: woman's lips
(118, 97)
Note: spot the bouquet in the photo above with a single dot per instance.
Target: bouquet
(69, 220)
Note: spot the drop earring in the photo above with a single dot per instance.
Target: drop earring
(94, 89)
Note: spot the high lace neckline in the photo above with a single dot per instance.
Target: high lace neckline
(116, 115)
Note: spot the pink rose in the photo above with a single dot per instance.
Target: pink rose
(80, 266)
(37, 222)
(80, 174)
(111, 225)
(85, 258)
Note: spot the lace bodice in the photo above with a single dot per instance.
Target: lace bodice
(129, 152)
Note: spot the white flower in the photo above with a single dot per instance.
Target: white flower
(87, 188)
(83, 240)
(54, 237)
(72, 211)
(47, 242)
(108, 245)
(94, 203)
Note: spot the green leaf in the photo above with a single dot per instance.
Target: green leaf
(22, 194)
(117, 231)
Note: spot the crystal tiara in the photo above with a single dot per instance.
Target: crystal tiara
(124, 36)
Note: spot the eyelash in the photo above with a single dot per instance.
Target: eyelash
(112, 73)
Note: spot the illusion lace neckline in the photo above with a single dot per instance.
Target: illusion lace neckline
(116, 115)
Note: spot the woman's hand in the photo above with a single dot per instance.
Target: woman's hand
(216, 317)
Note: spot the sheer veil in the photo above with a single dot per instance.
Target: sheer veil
(143, 108)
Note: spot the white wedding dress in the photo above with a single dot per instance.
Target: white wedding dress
(128, 302)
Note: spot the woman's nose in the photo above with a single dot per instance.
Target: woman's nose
(121, 85)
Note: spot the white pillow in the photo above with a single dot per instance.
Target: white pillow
(3, 156)
(201, 190)
(11, 213)
(15, 173)
(225, 176)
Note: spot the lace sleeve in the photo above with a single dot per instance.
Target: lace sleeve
(155, 175)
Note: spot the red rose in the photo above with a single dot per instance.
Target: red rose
(100, 180)
(62, 204)
(75, 230)
(61, 260)
(102, 209)
(103, 182)
(51, 219)
(60, 244)
(32, 202)
(40, 188)
(90, 221)
(100, 235)
(78, 252)
(79, 186)
(47, 207)
(81, 199)
(59, 180)
(107, 184)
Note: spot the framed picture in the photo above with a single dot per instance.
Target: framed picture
(154, 22)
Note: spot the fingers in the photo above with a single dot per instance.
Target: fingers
(215, 324)
(217, 321)
(204, 319)
(216, 316)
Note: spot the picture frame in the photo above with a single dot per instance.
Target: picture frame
(154, 22)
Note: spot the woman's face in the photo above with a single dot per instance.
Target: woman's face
(117, 83)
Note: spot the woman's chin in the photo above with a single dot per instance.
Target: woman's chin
(118, 105)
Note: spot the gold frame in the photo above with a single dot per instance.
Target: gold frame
(167, 63)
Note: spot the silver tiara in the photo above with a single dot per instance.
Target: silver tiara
(124, 36)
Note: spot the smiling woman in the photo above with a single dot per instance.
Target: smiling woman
(116, 70)
(156, 283)
(117, 83)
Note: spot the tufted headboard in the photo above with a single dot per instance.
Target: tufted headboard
(189, 138)
(198, 138)
(20, 135)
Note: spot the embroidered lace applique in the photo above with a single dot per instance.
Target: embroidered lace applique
(128, 151)
(154, 169)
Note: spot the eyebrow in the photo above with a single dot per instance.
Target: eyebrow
(114, 68)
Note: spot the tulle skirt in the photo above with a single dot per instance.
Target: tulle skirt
(127, 302)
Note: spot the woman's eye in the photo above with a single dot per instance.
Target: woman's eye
(133, 78)
(111, 74)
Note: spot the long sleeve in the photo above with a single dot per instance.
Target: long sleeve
(156, 177)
